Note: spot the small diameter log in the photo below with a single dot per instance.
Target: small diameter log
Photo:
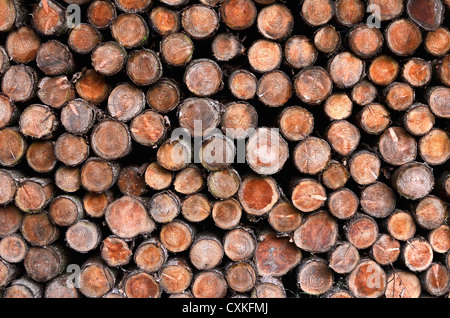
(8, 272)
(10, 220)
(312, 155)
(389, 10)
(196, 207)
(130, 30)
(418, 120)
(327, 39)
(54, 58)
(363, 93)
(199, 21)
(115, 251)
(346, 69)
(92, 87)
(66, 210)
(199, 116)
(133, 6)
(239, 244)
(223, 184)
(41, 156)
(150, 255)
(413, 181)
(383, 70)
(101, 13)
(314, 277)
(203, 77)
(361, 231)
(443, 70)
(300, 52)
(24, 287)
(19, 83)
(61, 287)
(177, 236)
(266, 151)
(238, 14)
(78, 117)
(338, 106)
(386, 250)
(308, 195)
(241, 276)
(436, 280)
(176, 49)
(437, 98)
(365, 41)
(284, 217)
(44, 263)
(164, 21)
(367, 280)
(402, 284)
(9, 181)
(242, 84)
(144, 67)
(403, 37)
(239, 120)
(275, 256)
(434, 147)
(439, 239)
(164, 96)
(125, 102)
(399, 96)
(56, 91)
(226, 47)
(317, 13)
(148, 128)
(258, 194)
(313, 85)
(337, 293)
(264, 55)
(397, 146)
(71, 150)
(428, 14)
(10, 112)
(364, 167)
(13, 248)
(4, 60)
(296, 123)
(96, 279)
(22, 45)
(38, 229)
(275, 22)
(268, 287)
(217, 152)
(318, 233)
(189, 180)
(83, 236)
(95, 204)
(109, 58)
(344, 258)
(349, 12)
(157, 177)
(209, 284)
(164, 206)
(401, 226)
(175, 276)
(84, 38)
(68, 179)
(430, 212)
(111, 140)
(335, 175)
(206, 252)
(131, 181)
(98, 175)
(227, 213)
(378, 200)
(343, 137)
(417, 254)
(274, 89)
(38, 121)
(32, 195)
(127, 218)
(8, 15)
(173, 155)
(49, 18)
(437, 42)
(417, 72)
(343, 203)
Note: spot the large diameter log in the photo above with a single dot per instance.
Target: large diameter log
(403, 284)
(317, 13)
(199, 116)
(55, 58)
(403, 37)
(177, 49)
(84, 38)
(313, 85)
(413, 180)
(156, 177)
(274, 89)
(428, 14)
(61, 287)
(275, 256)
(226, 47)
(45, 263)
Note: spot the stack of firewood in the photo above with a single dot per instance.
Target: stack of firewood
(224, 148)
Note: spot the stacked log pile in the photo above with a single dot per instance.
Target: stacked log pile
(224, 148)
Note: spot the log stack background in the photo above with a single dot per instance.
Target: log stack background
(352, 203)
